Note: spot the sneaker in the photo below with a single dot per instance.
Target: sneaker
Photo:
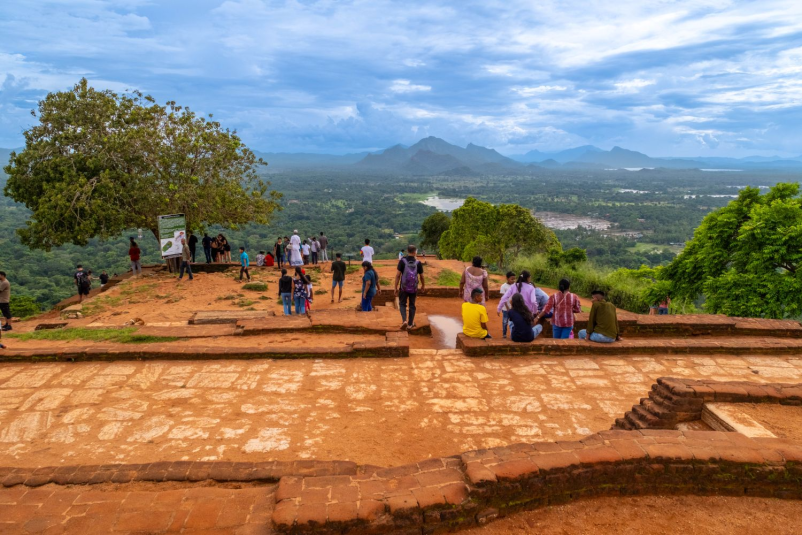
(404, 326)
(7, 327)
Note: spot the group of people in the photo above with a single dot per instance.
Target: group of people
(297, 252)
(523, 307)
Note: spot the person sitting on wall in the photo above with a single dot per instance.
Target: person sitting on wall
(603, 321)
(474, 316)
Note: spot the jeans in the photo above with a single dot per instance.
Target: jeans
(402, 304)
(208, 252)
(314, 257)
(184, 266)
(192, 253)
(596, 337)
(561, 332)
(505, 322)
(279, 260)
(244, 270)
(323, 256)
(367, 304)
(662, 311)
(286, 300)
(136, 267)
(537, 329)
(300, 305)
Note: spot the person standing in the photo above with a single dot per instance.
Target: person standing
(5, 300)
(474, 316)
(370, 286)
(285, 292)
(104, 279)
(226, 249)
(338, 269)
(505, 311)
(207, 247)
(602, 322)
(300, 291)
(367, 252)
(278, 252)
(408, 271)
(134, 253)
(186, 258)
(215, 249)
(662, 309)
(305, 252)
(296, 259)
(314, 246)
(82, 283)
(565, 305)
(193, 243)
(473, 277)
(244, 263)
(324, 246)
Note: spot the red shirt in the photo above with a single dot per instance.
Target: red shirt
(133, 252)
(564, 306)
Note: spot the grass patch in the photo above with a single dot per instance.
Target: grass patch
(255, 286)
(350, 270)
(243, 302)
(99, 304)
(321, 292)
(140, 289)
(123, 336)
(385, 282)
(448, 277)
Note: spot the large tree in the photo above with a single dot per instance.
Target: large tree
(494, 232)
(98, 163)
(745, 258)
(432, 229)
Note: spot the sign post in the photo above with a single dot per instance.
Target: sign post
(172, 229)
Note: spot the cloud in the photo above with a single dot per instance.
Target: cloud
(405, 86)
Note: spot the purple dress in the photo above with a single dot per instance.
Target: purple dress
(471, 282)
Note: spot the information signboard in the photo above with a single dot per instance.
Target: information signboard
(172, 229)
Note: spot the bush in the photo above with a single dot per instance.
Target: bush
(448, 277)
(255, 286)
(23, 306)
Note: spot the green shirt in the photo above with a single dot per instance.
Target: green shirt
(338, 268)
(603, 319)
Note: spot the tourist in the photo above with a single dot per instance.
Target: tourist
(104, 279)
(186, 258)
(401, 254)
(300, 291)
(309, 293)
(524, 287)
(244, 263)
(225, 249)
(408, 271)
(216, 249)
(505, 317)
(370, 286)
(564, 305)
(338, 269)
(314, 246)
(269, 262)
(662, 308)
(207, 247)
(474, 316)
(523, 328)
(285, 292)
(473, 277)
(305, 252)
(260, 259)
(81, 282)
(602, 322)
(324, 245)
(134, 253)
(5, 301)
(296, 259)
(193, 242)
(542, 298)
(278, 252)
(367, 252)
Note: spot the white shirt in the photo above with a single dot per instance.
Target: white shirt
(367, 253)
(314, 246)
(295, 242)
(504, 288)
(306, 249)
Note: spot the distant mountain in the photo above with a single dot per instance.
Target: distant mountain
(297, 160)
(433, 156)
(563, 156)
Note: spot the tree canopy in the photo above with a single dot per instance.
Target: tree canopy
(432, 229)
(745, 258)
(494, 232)
(98, 163)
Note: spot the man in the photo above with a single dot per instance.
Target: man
(186, 257)
(323, 242)
(5, 300)
(408, 272)
(314, 246)
(367, 252)
(338, 268)
(296, 259)
(81, 282)
(244, 263)
(474, 316)
(134, 253)
(104, 279)
(603, 321)
(193, 242)
(207, 247)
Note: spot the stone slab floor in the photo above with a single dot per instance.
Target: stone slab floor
(382, 412)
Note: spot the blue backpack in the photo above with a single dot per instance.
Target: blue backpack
(409, 278)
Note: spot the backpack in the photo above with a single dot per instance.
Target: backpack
(409, 278)
(83, 280)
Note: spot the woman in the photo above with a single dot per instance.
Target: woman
(278, 252)
(226, 249)
(285, 287)
(527, 290)
(522, 319)
(300, 291)
(473, 277)
(370, 286)
(135, 253)
(215, 250)
(565, 305)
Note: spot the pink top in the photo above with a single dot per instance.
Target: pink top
(471, 282)
(529, 293)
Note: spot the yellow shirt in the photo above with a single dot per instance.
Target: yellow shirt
(473, 315)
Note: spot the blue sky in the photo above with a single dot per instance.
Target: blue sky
(667, 77)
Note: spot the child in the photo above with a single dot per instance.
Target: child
(474, 316)
(505, 311)
(309, 294)
(305, 252)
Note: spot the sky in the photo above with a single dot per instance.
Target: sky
(665, 77)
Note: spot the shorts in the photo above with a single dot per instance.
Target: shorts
(337, 283)
(83, 291)
(5, 309)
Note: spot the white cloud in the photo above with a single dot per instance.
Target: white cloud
(405, 86)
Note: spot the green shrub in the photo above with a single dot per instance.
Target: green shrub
(448, 277)
(255, 286)
(124, 336)
(23, 306)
